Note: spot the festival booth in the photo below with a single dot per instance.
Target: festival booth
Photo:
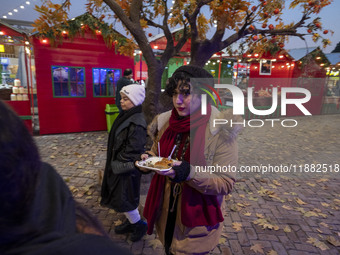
(16, 80)
(75, 81)
(302, 68)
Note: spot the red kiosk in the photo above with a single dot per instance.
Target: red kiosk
(302, 68)
(75, 81)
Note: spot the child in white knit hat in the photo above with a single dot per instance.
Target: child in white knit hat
(121, 182)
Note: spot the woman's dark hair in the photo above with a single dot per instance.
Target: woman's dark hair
(19, 168)
(190, 76)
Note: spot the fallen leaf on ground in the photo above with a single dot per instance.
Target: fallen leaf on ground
(155, 243)
(222, 240)
(300, 209)
(237, 226)
(299, 201)
(315, 242)
(234, 208)
(265, 224)
(72, 164)
(337, 201)
(287, 229)
(52, 156)
(311, 184)
(323, 215)
(277, 183)
(73, 189)
(96, 163)
(247, 213)
(324, 224)
(259, 215)
(272, 252)
(287, 207)
(257, 248)
(241, 205)
(310, 214)
(333, 241)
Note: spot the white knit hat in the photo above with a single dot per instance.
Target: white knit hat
(135, 92)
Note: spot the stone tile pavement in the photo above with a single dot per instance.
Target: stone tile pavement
(267, 213)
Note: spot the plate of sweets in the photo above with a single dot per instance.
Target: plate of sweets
(156, 163)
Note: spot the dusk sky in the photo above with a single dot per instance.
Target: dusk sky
(329, 15)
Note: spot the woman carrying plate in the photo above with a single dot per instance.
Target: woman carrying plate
(186, 203)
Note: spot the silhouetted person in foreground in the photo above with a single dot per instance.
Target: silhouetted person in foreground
(38, 214)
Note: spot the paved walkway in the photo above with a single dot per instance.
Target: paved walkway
(276, 213)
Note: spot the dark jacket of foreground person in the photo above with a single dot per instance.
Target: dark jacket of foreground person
(38, 214)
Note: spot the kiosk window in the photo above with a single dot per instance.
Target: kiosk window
(104, 81)
(68, 81)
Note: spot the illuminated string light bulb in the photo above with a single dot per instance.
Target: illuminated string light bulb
(10, 13)
(22, 7)
(5, 17)
(15, 10)
(28, 2)
(27, 43)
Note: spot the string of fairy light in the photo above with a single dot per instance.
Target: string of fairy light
(16, 10)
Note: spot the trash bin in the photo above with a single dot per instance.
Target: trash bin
(112, 112)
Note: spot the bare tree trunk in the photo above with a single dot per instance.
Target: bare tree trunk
(202, 52)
